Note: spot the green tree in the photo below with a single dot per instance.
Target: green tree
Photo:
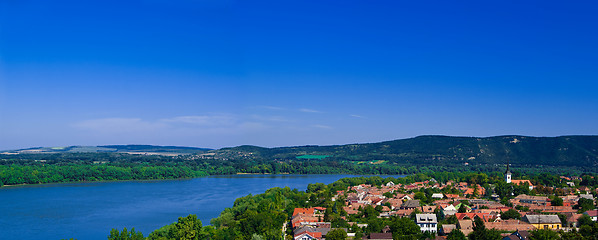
(404, 227)
(370, 212)
(510, 214)
(584, 205)
(481, 233)
(187, 228)
(456, 234)
(544, 234)
(584, 220)
(556, 201)
(336, 234)
(571, 235)
(462, 208)
(125, 235)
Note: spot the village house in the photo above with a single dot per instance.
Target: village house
(523, 182)
(475, 190)
(426, 222)
(593, 214)
(466, 226)
(410, 204)
(447, 228)
(449, 210)
(384, 235)
(484, 216)
(306, 235)
(307, 216)
(572, 218)
(380, 236)
(543, 221)
(529, 200)
(509, 225)
(437, 195)
(518, 235)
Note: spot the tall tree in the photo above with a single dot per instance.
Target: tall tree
(481, 233)
(125, 235)
(336, 234)
(544, 234)
(456, 234)
(187, 228)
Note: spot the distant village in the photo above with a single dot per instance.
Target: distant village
(523, 214)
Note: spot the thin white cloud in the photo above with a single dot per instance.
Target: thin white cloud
(272, 108)
(204, 120)
(357, 116)
(321, 126)
(307, 110)
(269, 118)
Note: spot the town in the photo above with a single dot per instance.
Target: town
(442, 209)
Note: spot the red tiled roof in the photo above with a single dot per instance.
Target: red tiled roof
(592, 213)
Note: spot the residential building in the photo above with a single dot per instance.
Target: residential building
(427, 222)
(544, 221)
(410, 204)
(518, 235)
(593, 214)
(466, 226)
(309, 236)
(437, 195)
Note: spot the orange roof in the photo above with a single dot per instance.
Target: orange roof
(480, 190)
(483, 216)
(308, 211)
(520, 182)
(317, 235)
(303, 211)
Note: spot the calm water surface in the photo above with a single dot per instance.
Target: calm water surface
(90, 210)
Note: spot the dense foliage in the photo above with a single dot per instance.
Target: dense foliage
(580, 151)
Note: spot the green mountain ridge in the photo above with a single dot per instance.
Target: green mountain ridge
(575, 150)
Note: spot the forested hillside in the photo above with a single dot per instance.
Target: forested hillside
(432, 150)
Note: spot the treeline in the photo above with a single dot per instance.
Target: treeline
(72, 167)
(35, 174)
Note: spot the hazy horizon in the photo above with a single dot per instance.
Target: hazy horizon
(103, 145)
(218, 74)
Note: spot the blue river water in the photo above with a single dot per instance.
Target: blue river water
(90, 210)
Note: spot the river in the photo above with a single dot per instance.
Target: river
(90, 210)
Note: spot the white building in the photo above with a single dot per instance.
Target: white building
(449, 210)
(427, 222)
(508, 175)
(438, 195)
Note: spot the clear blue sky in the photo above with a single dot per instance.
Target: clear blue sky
(217, 73)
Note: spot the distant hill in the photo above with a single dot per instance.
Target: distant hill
(131, 149)
(442, 150)
(578, 151)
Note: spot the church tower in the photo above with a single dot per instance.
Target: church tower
(508, 174)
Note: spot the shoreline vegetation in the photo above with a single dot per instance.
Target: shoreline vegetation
(17, 174)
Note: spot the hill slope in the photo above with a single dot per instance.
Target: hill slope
(523, 150)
